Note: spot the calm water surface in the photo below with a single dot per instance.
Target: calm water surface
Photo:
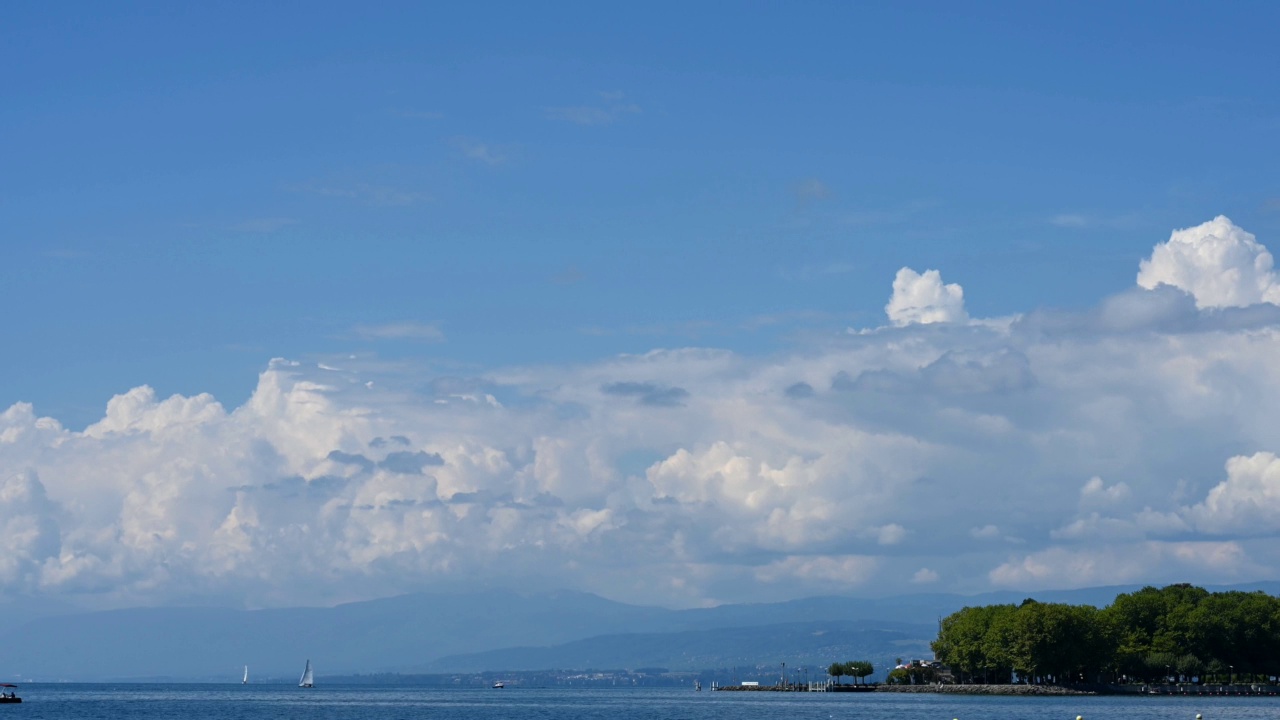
(260, 702)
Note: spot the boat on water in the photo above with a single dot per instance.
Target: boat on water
(245, 681)
(7, 694)
(308, 679)
(499, 685)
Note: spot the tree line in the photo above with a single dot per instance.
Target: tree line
(1179, 633)
(856, 669)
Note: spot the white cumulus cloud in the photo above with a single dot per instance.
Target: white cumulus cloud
(923, 298)
(1095, 492)
(924, 576)
(891, 534)
(1113, 564)
(1217, 262)
(29, 533)
(1247, 502)
(848, 571)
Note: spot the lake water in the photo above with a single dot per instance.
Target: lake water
(352, 702)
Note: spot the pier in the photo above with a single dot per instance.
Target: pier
(828, 686)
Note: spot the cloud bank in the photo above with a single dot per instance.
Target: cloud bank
(1132, 442)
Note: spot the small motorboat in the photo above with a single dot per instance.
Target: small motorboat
(7, 694)
(499, 685)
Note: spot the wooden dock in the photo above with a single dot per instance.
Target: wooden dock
(799, 687)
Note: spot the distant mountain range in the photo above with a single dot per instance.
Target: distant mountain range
(492, 630)
(805, 644)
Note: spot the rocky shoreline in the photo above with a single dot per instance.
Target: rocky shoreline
(987, 689)
(1238, 689)
(942, 689)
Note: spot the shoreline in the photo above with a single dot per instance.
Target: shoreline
(1237, 690)
(935, 689)
(992, 690)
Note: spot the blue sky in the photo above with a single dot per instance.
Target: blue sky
(505, 199)
(191, 190)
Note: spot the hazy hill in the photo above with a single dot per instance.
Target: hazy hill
(370, 636)
(815, 644)
(457, 631)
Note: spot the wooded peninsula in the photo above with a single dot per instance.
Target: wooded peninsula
(1179, 633)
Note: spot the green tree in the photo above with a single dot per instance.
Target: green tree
(1160, 620)
(1178, 630)
(1188, 666)
(1242, 630)
(1217, 670)
(997, 645)
(969, 641)
(1058, 642)
(859, 669)
(898, 676)
(1161, 666)
(836, 670)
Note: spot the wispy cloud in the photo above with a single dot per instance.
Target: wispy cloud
(264, 225)
(400, 331)
(569, 276)
(479, 151)
(611, 107)
(1070, 220)
(871, 216)
(699, 330)
(791, 318)
(418, 114)
(811, 189)
(811, 272)
(690, 329)
(1087, 221)
(369, 194)
(67, 254)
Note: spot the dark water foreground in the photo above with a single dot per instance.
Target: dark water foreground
(282, 702)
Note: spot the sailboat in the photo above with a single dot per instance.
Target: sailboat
(308, 680)
(245, 681)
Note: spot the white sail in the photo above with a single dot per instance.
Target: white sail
(245, 681)
(307, 679)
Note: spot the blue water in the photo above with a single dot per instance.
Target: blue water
(283, 702)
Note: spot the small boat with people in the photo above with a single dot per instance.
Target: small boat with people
(7, 694)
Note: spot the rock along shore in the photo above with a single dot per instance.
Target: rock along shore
(986, 689)
(1239, 689)
(944, 689)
